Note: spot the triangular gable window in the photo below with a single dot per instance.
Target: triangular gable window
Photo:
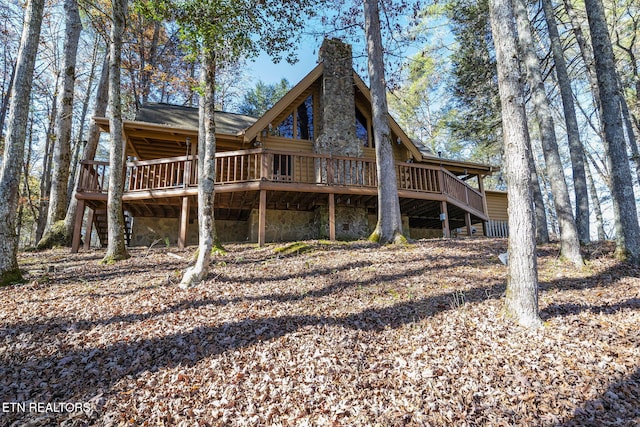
(299, 122)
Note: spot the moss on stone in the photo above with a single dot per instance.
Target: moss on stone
(296, 248)
(57, 236)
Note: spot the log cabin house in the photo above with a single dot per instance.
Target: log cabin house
(304, 170)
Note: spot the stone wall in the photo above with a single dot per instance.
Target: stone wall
(148, 230)
(351, 223)
(283, 225)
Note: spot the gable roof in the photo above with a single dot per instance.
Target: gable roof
(283, 103)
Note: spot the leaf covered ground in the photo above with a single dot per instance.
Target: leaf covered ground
(323, 334)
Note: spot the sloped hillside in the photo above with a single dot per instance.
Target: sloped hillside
(318, 334)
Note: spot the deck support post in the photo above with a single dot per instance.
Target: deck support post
(184, 223)
(444, 217)
(485, 224)
(77, 227)
(88, 229)
(262, 218)
(332, 217)
(467, 222)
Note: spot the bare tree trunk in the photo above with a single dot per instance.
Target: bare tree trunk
(631, 136)
(624, 204)
(521, 301)
(27, 189)
(542, 229)
(16, 135)
(47, 160)
(569, 243)
(5, 102)
(389, 226)
(116, 249)
(576, 150)
(597, 209)
(100, 107)
(62, 154)
(587, 57)
(206, 172)
(79, 144)
(99, 110)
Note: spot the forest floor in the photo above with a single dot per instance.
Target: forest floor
(338, 334)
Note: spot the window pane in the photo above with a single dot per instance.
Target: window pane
(285, 129)
(361, 128)
(305, 119)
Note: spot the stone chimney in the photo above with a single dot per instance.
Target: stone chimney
(337, 130)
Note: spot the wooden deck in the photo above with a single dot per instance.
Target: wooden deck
(260, 178)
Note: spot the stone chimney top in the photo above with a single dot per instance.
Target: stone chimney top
(334, 50)
(337, 134)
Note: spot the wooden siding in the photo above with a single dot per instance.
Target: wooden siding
(497, 205)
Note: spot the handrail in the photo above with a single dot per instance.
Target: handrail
(279, 166)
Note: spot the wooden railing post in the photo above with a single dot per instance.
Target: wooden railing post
(264, 165)
(186, 179)
(330, 171)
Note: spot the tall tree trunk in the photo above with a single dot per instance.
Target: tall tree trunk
(587, 57)
(16, 135)
(99, 110)
(5, 102)
(521, 302)
(542, 229)
(631, 136)
(47, 160)
(100, 107)
(206, 172)
(389, 226)
(62, 153)
(597, 209)
(116, 249)
(624, 204)
(576, 150)
(569, 243)
(79, 145)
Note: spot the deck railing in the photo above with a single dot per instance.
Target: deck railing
(278, 166)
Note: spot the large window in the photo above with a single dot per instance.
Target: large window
(305, 119)
(285, 129)
(362, 128)
(299, 123)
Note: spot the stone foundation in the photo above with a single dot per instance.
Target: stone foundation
(161, 230)
(351, 223)
(283, 226)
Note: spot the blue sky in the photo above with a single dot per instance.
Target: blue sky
(264, 69)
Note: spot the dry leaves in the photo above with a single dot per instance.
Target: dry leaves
(343, 334)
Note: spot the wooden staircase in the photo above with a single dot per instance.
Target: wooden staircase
(100, 224)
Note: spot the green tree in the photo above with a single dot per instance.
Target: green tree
(219, 33)
(262, 97)
(475, 118)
